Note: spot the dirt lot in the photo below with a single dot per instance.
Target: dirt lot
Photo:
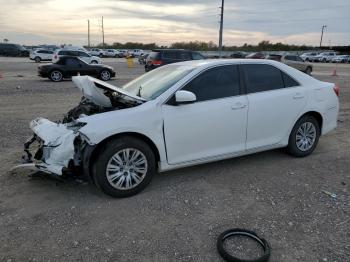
(179, 216)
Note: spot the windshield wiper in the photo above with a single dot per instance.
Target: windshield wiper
(139, 92)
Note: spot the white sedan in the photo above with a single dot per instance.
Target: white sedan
(181, 115)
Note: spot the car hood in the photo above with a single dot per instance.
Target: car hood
(93, 89)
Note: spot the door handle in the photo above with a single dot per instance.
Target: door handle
(238, 105)
(298, 96)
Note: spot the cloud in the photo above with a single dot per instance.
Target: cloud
(65, 21)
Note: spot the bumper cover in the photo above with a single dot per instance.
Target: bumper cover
(56, 146)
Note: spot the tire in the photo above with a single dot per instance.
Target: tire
(105, 75)
(308, 70)
(296, 147)
(37, 59)
(112, 154)
(307, 60)
(56, 76)
(94, 62)
(101, 55)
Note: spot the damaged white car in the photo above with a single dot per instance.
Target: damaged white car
(181, 115)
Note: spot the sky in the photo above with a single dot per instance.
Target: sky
(34, 22)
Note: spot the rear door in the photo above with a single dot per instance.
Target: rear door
(275, 100)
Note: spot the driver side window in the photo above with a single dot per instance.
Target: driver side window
(215, 83)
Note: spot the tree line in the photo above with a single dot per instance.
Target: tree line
(211, 46)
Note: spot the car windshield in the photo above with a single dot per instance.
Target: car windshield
(153, 84)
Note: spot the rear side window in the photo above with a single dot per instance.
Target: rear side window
(152, 55)
(169, 55)
(83, 54)
(214, 83)
(260, 78)
(290, 57)
(288, 81)
(197, 56)
(183, 56)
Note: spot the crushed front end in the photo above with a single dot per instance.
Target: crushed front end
(58, 146)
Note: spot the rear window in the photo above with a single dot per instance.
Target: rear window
(153, 55)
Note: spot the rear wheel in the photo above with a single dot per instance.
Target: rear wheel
(304, 136)
(124, 167)
(56, 76)
(37, 59)
(94, 62)
(105, 75)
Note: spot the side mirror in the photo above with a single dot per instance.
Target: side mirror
(184, 97)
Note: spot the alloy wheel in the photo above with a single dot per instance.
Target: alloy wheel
(56, 76)
(105, 75)
(126, 169)
(306, 136)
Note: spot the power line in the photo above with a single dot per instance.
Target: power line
(221, 26)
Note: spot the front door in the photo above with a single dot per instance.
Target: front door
(212, 126)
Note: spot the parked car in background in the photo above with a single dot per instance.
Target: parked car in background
(13, 50)
(81, 54)
(160, 57)
(122, 53)
(39, 55)
(341, 59)
(297, 62)
(136, 52)
(257, 55)
(309, 56)
(142, 59)
(97, 52)
(274, 57)
(238, 54)
(68, 66)
(111, 53)
(182, 115)
(325, 57)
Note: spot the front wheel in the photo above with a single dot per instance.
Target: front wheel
(124, 167)
(94, 62)
(304, 136)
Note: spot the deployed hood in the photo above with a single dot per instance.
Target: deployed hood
(94, 90)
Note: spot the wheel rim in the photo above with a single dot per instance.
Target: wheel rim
(56, 76)
(306, 136)
(105, 75)
(94, 62)
(126, 169)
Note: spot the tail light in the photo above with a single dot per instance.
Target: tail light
(336, 90)
(156, 62)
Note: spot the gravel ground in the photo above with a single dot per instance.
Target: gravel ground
(179, 216)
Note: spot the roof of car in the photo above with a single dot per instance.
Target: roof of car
(165, 49)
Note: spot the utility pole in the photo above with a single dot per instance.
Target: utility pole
(323, 27)
(88, 33)
(221, 26)
(103, 35)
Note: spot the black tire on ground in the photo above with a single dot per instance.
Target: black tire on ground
(56, 76)
(101, 55)
(108, 151)
(292, 144)
(37, 59)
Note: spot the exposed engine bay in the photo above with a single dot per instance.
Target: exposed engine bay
(98, 97)
(60, 145)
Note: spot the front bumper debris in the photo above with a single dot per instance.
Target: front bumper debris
(55, 147)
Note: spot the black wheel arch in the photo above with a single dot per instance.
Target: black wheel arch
(92, 153)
